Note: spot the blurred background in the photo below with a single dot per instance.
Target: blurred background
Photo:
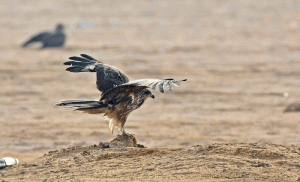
(241, 59)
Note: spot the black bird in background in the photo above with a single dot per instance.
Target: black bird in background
(49, 39)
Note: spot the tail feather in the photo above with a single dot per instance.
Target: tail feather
(87, 106)
(37, 38)
(26, 44)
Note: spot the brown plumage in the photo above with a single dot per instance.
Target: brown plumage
(119, 96)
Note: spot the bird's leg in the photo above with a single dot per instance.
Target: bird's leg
(123, 131)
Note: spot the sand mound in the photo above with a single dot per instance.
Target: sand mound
(210, 162)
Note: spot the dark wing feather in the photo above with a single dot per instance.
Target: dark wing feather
(81, 64)
(88, 57)
(120, 93)
(84, 58)
(154, 83)
(108, 76)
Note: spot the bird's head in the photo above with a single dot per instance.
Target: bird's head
(59, 27)
(148, 93)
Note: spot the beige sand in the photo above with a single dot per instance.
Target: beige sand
(241, 59)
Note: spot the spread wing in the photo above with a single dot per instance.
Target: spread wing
(154, 83)
(108, 76)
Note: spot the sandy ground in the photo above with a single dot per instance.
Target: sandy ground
(226, 123)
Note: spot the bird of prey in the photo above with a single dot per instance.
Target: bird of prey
(119, 96)
(49, 39)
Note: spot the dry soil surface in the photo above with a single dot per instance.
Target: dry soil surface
(226, 123)
(215, 162)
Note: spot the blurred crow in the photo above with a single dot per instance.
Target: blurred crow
(49, 39)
